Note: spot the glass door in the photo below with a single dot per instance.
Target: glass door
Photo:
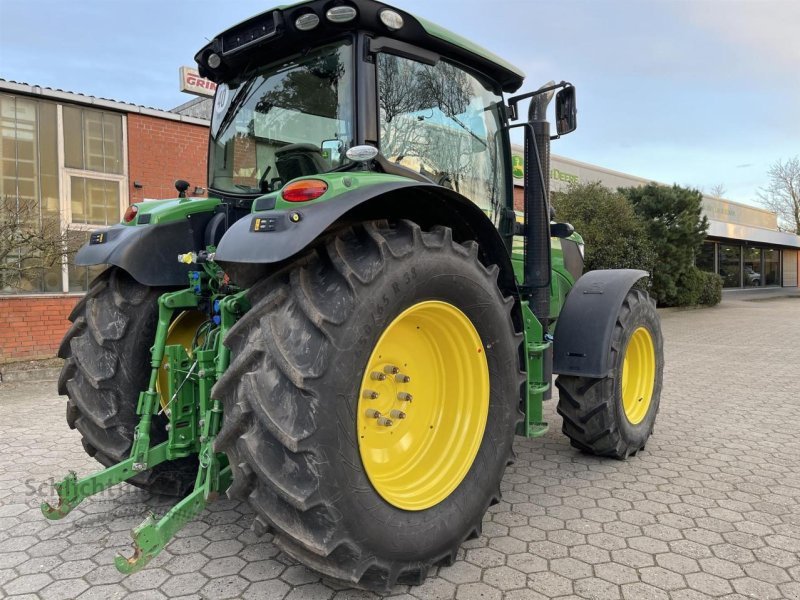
(772, 266)
(751, 276)
(730, 265)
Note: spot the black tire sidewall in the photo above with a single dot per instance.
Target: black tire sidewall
(642, 314)
(458, 279)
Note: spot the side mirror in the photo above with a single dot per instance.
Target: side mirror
(561, 230)
(566, 111)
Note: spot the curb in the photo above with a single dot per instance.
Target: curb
(48, 374)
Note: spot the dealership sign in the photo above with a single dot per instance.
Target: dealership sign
(192, 83)
(518, 171)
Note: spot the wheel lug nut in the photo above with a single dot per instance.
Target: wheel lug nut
(372, 413)
(370, 394)
(397, 414)
(384, 422)
(400, 378)
(390, 370)
(377, 376)
(404, 396)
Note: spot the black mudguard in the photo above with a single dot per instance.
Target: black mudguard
(271, 237)
(148, 252)
(583, 333)
(282, 237)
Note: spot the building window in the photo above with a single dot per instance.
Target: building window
(52, 196)
(730, 265)
(30, 224)
(751, 276)
(772, 266)
(94, 201)
(92, 140)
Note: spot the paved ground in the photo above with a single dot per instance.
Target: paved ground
(711, 509)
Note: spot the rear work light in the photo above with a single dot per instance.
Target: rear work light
(131, 213)
(304, 190)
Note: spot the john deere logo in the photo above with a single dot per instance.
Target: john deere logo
(517, 167)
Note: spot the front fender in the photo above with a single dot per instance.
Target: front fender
(582, 341)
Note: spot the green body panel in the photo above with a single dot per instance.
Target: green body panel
(338, 184)
(175, 209)
(562, 280)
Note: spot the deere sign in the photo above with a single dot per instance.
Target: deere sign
(517, 166)
(518, 170)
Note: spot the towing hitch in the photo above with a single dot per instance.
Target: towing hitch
(194, 418)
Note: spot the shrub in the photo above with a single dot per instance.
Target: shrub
(688, 288)
(711, 290)
(676, 226)
(615, 237)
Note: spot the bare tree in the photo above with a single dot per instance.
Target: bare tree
(782, 194)
(718, 191)
(30, 243)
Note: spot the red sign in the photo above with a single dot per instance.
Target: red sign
(192, 83)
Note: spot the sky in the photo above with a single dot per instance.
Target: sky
(702, 93)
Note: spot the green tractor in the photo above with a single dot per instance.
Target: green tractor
(350, 330)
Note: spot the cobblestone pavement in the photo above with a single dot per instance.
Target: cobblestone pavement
(710, 509)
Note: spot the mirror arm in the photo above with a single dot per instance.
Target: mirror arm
(514, 100)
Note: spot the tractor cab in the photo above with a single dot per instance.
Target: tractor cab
(300, 86)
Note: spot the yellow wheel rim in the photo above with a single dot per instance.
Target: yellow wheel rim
(181, 331)
(423, 405)
(638, 375)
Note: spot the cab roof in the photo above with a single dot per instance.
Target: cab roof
(271, 34)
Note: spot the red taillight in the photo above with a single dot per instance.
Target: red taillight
(304, 190)
(130, 214)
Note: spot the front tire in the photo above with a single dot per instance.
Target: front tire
(293, 427)
(614, 416)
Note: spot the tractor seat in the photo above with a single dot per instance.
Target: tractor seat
(297, 160)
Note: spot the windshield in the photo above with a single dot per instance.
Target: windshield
(286, 121)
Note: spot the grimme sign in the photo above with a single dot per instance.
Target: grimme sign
(192, 83)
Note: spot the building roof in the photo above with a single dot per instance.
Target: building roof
(199, 108)
(48, 93)
(726, 218)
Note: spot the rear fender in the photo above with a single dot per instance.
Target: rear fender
(148, 252)
(257, 244)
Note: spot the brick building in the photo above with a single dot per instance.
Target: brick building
(76, 162)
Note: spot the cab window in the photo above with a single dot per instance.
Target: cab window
(444, 123)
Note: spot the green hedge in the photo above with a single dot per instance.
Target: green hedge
(656, 228)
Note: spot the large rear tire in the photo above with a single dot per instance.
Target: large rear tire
(294, 402)
(614, 416)
(107, 354)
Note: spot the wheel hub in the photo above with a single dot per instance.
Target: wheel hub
(423, 405)
(638, 375)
